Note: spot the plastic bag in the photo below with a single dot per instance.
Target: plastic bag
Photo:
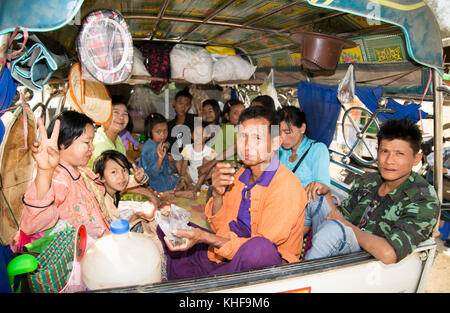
(191, 63)
(178, 218)
(346, 89)
(140, 105)
(232, 67)
(268, 88)
(138, 69)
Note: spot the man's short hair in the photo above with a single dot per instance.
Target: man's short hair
(402, 129)
(261, 112)
(266, 101)
(183, 93)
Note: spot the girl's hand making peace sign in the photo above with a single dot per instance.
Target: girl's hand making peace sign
(46, 152)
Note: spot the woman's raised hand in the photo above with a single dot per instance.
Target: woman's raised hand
(46, 152)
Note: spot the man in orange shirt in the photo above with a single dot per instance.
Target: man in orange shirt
(256, 214)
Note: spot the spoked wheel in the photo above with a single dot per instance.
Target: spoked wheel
(360, 130)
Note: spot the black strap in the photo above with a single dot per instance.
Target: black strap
(303, 157)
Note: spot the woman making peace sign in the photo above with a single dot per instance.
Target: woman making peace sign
(62, 187)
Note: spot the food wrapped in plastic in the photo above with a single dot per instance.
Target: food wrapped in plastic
(178, 218)
(191, 63)
(232, 67)
(346, 88)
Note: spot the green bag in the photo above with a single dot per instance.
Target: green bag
(55, 263)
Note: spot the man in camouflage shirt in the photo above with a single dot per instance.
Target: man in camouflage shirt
(387, 213)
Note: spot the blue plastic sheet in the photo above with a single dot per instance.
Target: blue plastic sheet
(321, 107)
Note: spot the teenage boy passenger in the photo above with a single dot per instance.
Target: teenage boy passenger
(387, 213)
(256, 214)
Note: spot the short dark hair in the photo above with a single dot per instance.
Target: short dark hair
(292, 116)
(118, 157)
(266, 101)
(183, 93)
(402, 129)
(260, 112)
(150, 121)
(118, 100)
(72, 126)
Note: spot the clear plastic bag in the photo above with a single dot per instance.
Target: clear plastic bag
(346, 89)
(178, 218)
(140, 105)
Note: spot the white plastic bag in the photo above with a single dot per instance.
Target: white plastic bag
(346, 89)
(232, 67)
(178, 218)
(138, 69)
(191, 63)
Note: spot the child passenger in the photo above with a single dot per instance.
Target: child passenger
(224, 143)
(155, 161)
(113, 170)
(211, 112)
(193, 156)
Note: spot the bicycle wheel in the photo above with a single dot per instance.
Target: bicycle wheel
(360, 130)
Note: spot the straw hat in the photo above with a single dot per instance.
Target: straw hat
(320, 51)
(89, 97)
(105, 47)
(16, 168)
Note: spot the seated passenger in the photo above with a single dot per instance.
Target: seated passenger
(265, 101)
(113, 169)
(307, 158)
(256, 213)
(127, 138)
(182, 125)
(107, 136)
(387, 213)
(224, 142)
(211, 112)
(155, 161)
(59, 191)
(193, 156)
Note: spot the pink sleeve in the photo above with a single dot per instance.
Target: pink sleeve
(40, 215)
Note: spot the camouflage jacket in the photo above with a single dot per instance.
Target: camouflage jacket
(405, 217)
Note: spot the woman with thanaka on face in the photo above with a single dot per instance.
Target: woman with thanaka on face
(60, 190)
